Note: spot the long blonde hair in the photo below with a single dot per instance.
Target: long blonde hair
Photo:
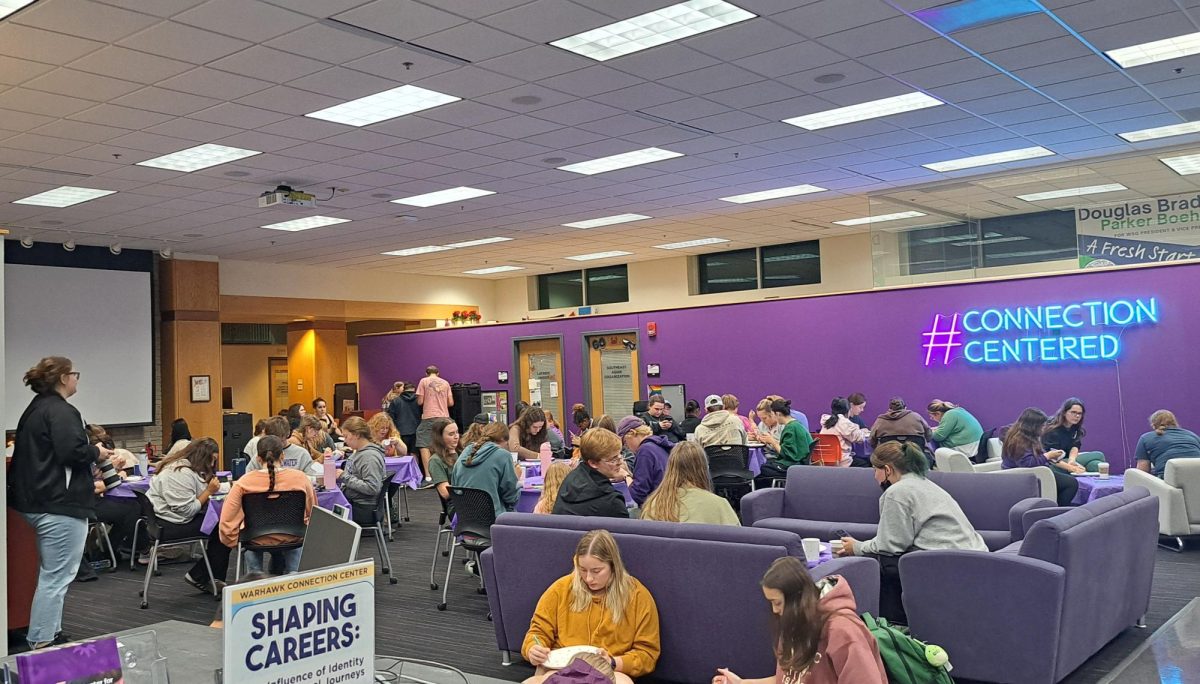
(600, 545)
(551, 483)
(687, 466)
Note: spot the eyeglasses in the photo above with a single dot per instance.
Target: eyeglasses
(77, 374)
(615, 460)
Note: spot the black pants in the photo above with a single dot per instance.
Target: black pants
(891, 594)
(122, 514)
(771, 470)
(218, 554)
(1066, 484)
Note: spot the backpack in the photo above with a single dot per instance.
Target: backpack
(903, 656)
(981, 452)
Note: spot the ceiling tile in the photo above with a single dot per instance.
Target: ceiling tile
(400, 64)
(815, 20)
(233, 114)
(468, 82)
(591, 81)
(42, 46)
(473, 42)
(665, 60)
(536, 63)
(65, 81)
(215, 84)
(289, 100)
(121, 117)
(80, 130)
(15, 71)
(252, 21)
(126, 64)
(184, 43)
(84, 19)
(543, 21)
(327, 43)
(36, 102)
(165, 101)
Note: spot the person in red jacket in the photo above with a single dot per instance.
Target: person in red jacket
(819, 638)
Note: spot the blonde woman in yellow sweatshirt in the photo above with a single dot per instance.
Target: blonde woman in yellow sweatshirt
(599, 604)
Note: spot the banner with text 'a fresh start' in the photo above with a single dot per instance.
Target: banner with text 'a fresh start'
(1151, 230)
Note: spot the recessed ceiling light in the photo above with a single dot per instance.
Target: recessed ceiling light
(880, 218)
(989, 159)
(64, 196)
(526, 100)
(620, 161)
(1072, 192)
(413, 251)
(383, 106)
(606, 221)
(7, 7)
(306, 223)
(1184, 165)
(1162, 131)
(476, 243)
(198, 157)
(790, 191)
(1156, 51)
(692, 243)
(431, 199)
(554, 160)
(494, 269)
(867, 110)
(653, 28)
(598, 255)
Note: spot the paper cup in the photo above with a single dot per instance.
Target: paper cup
(812, 548)
(1103, 467)
(835, 545)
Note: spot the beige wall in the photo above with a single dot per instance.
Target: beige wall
(244, 367)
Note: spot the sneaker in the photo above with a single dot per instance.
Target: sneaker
(471, 568)
(203, 586)
(427, 483)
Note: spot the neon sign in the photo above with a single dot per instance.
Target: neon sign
(1044, 334)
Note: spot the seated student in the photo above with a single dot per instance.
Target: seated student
(179, 492)
(686, 494)
(766, 431)
(691, 417)
(294, 413)
(819, 637)
(660, 421)
(485, 464)
(294, 456)
(731, 404)
(650, 456)
(443, 454)
(270, 478)
(251, 448)
(582, 420)
(526, 436)
(554, 435)
(328, 423)
(120, 512)
(588, 489)
(1165, 441)
(181, 436)
(311, 437)
(900, 423)
(598, 604)
(956, 428)
(1064, 432)
(795, 444)
(1022, 448)
(385, 434)
(551, 483)
(914, 515)
(837, 422)
(719, 425)
(858, 404)
(363, 476)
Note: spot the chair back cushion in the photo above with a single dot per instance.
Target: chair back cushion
(274, 513)
(475, 510)
(951, 461)
(1184, 474)
(836, 494)
(986, 498)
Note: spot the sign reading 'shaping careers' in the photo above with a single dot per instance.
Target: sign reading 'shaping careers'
(1151, 230)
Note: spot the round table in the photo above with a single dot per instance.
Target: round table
(530, 494)
(1091, 487)
(757, 458)
(402, 469)
(825, 557)
(326, 498)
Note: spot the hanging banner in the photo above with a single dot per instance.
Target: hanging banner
(1153, 230)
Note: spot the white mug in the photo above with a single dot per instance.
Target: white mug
(835, 545)
(812, 548)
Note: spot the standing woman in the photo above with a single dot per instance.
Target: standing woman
(837, 422)
(525, 437)
(1065, 432)
(1023, 449)
(50, 484)
(328, 422)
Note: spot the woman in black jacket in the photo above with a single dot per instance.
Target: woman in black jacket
(50, 484)
(588, 489)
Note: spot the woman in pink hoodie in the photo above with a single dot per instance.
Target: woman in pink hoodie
(819, 638)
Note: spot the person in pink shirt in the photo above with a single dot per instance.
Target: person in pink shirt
(731, 404)
(435, 400)
(837, 422)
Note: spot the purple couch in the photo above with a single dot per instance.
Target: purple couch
(819, 500)
(1034, 612)
(704, 579)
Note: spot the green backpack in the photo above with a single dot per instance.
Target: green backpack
(907, 660)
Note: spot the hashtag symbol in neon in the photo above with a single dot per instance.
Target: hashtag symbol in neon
(942, 339)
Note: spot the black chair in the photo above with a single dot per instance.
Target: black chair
(163, 538)
(475, 513)
(919, 440)
(271, 513)
(729, 467)
(102, 535)
(443, 530)
(375, 525)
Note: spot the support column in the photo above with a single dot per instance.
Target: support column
(191, 345)
(316, 360)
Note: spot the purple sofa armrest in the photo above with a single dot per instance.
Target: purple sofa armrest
(491, 585)
(1016, 526)
(862, 574)
(1029, 517)
(762, 503)
(984, 608)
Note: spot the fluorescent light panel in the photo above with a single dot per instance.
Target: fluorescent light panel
(307, 223)
(790, 191)
(1156, 51)
(867, 110)
(431, 199)
(692, 243)
(620, 161)
(476, 243)
(64, 196)
(989, 159)
(494, 269)
(606, 221)
(598, 255)
(1072, 192)
(653, 28)
(880, 218)
(7, 7)
(413, 251)
(198, 157)
(1162, 132)
(1184, 165)
(383, 106)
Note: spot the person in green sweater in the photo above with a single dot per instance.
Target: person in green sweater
(795, 444)
(685, 494)
(956, 428)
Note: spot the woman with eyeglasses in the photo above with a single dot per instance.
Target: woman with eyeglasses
(588, 490)
(1022, 448)
(1064, 431)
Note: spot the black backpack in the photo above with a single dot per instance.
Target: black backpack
(981, 453)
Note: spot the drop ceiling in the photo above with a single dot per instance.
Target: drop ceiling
(90, 88)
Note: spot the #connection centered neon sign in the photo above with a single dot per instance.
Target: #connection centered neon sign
(1043, 334)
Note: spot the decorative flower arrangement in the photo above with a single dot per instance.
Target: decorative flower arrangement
(473, 317)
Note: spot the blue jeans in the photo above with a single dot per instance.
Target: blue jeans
(256, 560)
(60, 540)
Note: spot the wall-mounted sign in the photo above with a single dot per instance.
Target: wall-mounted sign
(1042, 334)
(1153, 230)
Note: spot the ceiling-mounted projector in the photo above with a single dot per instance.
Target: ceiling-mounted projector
(285, 195)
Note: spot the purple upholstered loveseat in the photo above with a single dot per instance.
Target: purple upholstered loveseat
(704, 579)
(1036, 610)
(819, 500)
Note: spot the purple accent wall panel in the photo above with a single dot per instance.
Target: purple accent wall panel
(811, 350)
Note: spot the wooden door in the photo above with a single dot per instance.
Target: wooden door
(613, 373)
(541, 360)
(277, 371)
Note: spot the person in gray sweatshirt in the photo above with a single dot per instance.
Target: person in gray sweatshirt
(485, 464)
(914, 515)
(365, 472)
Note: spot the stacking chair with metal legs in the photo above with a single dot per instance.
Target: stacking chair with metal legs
(474, 513)
(271, 513)
(376, 527)
(103, 534)
(163, 539)
(445, 530)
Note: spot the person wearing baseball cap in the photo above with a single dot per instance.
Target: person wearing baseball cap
(650, 462)
(719, 426)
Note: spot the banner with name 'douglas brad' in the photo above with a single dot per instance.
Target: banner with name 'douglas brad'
(1144, 231)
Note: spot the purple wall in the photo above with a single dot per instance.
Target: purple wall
(811, 350)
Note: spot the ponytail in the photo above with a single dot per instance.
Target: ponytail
(271, 474)
(270, 449)
(837, 408)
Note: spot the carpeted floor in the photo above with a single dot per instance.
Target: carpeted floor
(409, 624)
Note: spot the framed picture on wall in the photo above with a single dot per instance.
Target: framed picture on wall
(201, 388)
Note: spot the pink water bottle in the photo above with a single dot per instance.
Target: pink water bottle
(544, 455)
(330, 474)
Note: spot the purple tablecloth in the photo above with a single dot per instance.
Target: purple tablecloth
(530, 495)
(1092, 488)
(826, 555)
(125, 489)
(326, 499)
(757, 459)
(405, 471)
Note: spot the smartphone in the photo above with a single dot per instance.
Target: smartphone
(839, 533)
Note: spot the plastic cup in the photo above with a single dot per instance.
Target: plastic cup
(1103, 467)
(835, 545)
(812, 548)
